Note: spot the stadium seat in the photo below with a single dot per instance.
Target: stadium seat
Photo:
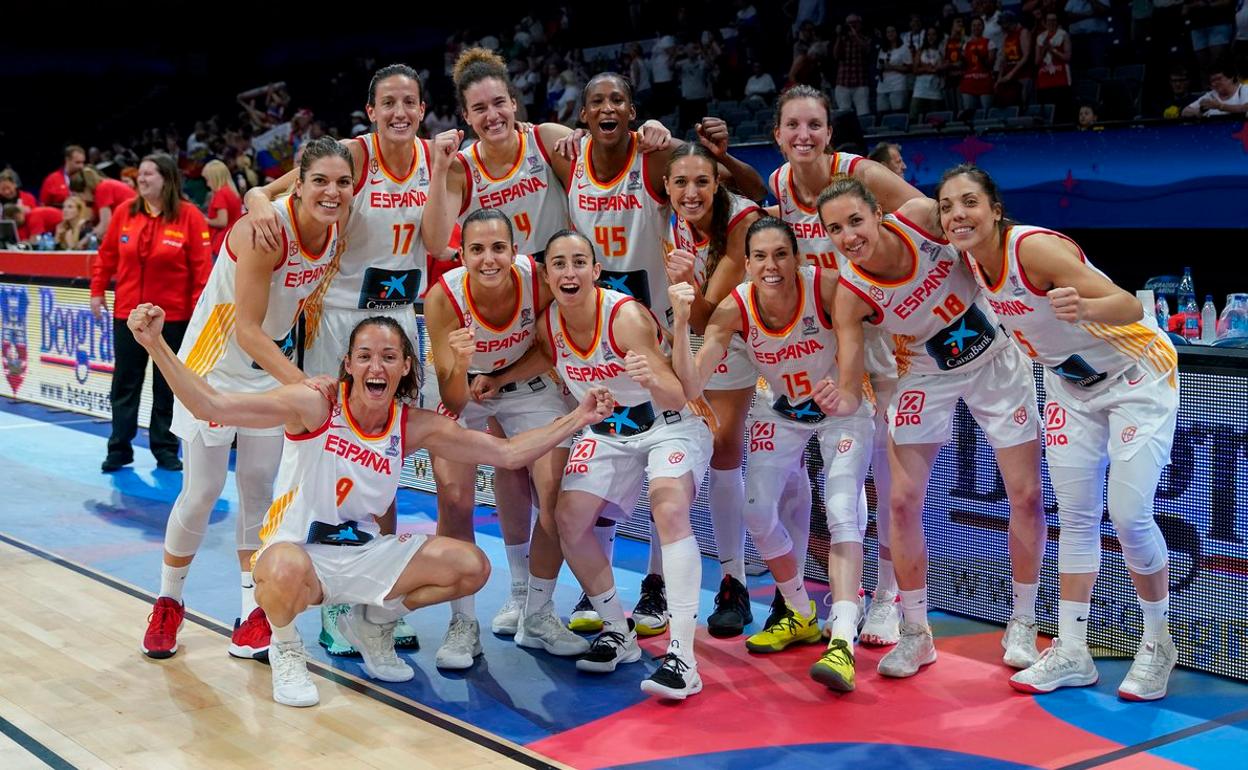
(1002, 113)
(1096, 73)
(938, 118)
(897, 122)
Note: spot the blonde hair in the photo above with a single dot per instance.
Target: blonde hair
(84, 210)
(217, 175)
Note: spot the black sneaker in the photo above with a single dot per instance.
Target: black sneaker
(114, 463)
(732, 609)
(675, 679)
(608, 650)
(169, 463)
(778, 610)
(650, 614)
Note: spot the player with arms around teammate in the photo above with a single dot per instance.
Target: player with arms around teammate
(949, 346)
(341, 464)
(240, 339)
(784, 315)
(1112, 387)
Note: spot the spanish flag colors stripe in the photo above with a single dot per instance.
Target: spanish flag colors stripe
(213, 338)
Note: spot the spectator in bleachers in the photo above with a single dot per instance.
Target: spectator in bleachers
(34, 222)
(929, 82)
(1053, 83)
(1089, 30)
(805, 68)
(1014, 63)
(1178, 94)
(10, 194)
(914, 34)
(74, 229)
(55, 188)
(888, 154)
(1227, 96)
(104, 195)
(851, 52)
(225, 207)
(638, 70)
(696, 71)
(1087, 118)
(568, 108)
(955, 63)
(893, 65)
(1212, 29)
(439, 118)
(526, 80)
(663, 75)
(1241, 38)
(977, 86)
(130, 175)
(812, 12)
(760, 83)
(994, 25)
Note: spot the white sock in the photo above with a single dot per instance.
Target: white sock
(249, 594)
(1156, 619)
(286, 633)
(1072, 622)
(518, 562)
(391, 611)
(794, 593)
(914, 606)
(683, 561)
(540, 596)
(464, 605)
(606, 539)
(172, 579)
(607, 605)
(654, 565)
(845, 621)
(886, 584)
(1025, 601)
(726, 495)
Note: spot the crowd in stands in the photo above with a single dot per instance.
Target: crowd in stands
(900, 66)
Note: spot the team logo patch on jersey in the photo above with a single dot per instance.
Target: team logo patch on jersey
(876, 293)
(1128, 434)
(395, 447)
(526, 316)
(762, 437)
(808, 325)
(1054, 416)
(382, 289)
(1077, 371)
(286, 345)
(930, 249)
(1018, 290)
(634, 283)
(962, 341)
(125, 237)
(476, 178)
(676, 458)
(845, 445)
(535, 165)
(373, 166)
(634, 181)
(294, 248)
(403, 537)
(1020, 415)
(910, 408)
(422, 177)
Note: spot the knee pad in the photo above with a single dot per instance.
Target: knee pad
(1079, 501)
(845, 516)
(771, 538)
(255, 471)
(202, 482)
(1132, 486)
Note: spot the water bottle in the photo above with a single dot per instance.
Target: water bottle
(1234, 320)
(1188, 307)
(1163, 313)
(1208, 321)
(46, 242)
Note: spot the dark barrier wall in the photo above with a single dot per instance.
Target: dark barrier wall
(1148, 176)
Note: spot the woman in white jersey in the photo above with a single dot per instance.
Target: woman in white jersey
(481, 319)
(706, 248)
(596, 336)
(783, 316)
(948, 346)
(1112, 384)
(617, 197)
(803, 132)
(385, 260)
(241, 338)
(341, 463)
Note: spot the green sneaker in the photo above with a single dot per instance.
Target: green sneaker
(331, 638)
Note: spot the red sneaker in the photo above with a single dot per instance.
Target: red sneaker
(251, 637)
(161, 639)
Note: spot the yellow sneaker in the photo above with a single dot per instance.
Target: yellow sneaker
(835, 668)
(584, 619)
(788, 628)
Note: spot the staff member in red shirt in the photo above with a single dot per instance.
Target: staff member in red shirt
(224, 207)
(32, 223)
(105, 195)
(157, 248)
(55, 187)
(9, 194)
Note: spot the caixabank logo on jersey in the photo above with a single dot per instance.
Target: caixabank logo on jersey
(13, 303)
(71, 337)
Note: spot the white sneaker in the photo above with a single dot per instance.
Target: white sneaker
(914, 650)
(1150, 673)
(508, 617)
(461, 644)
(375, 643)
(1019, 643)
(862, 616)
(546, 632)
(292, 685)
(883, 625)
(608, 650)
(675, 679)
(1062, 665)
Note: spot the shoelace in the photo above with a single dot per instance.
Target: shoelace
(290, 654)
(608, 641)
(837, 650)
(1150, 664)
(787, 623)
(162, 615)
(650, 603)
(672, 662)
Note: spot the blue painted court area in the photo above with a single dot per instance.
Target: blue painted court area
(756, 711)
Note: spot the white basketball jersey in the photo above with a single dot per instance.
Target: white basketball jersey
(680, 235)
(601, 363)
(497, 347)
(626, 220)
(335, 475)
(210, 347)
(793, 358)
(812, 239)
(529, 193)
(939, 319)
(384, 263)
(1084, 354)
